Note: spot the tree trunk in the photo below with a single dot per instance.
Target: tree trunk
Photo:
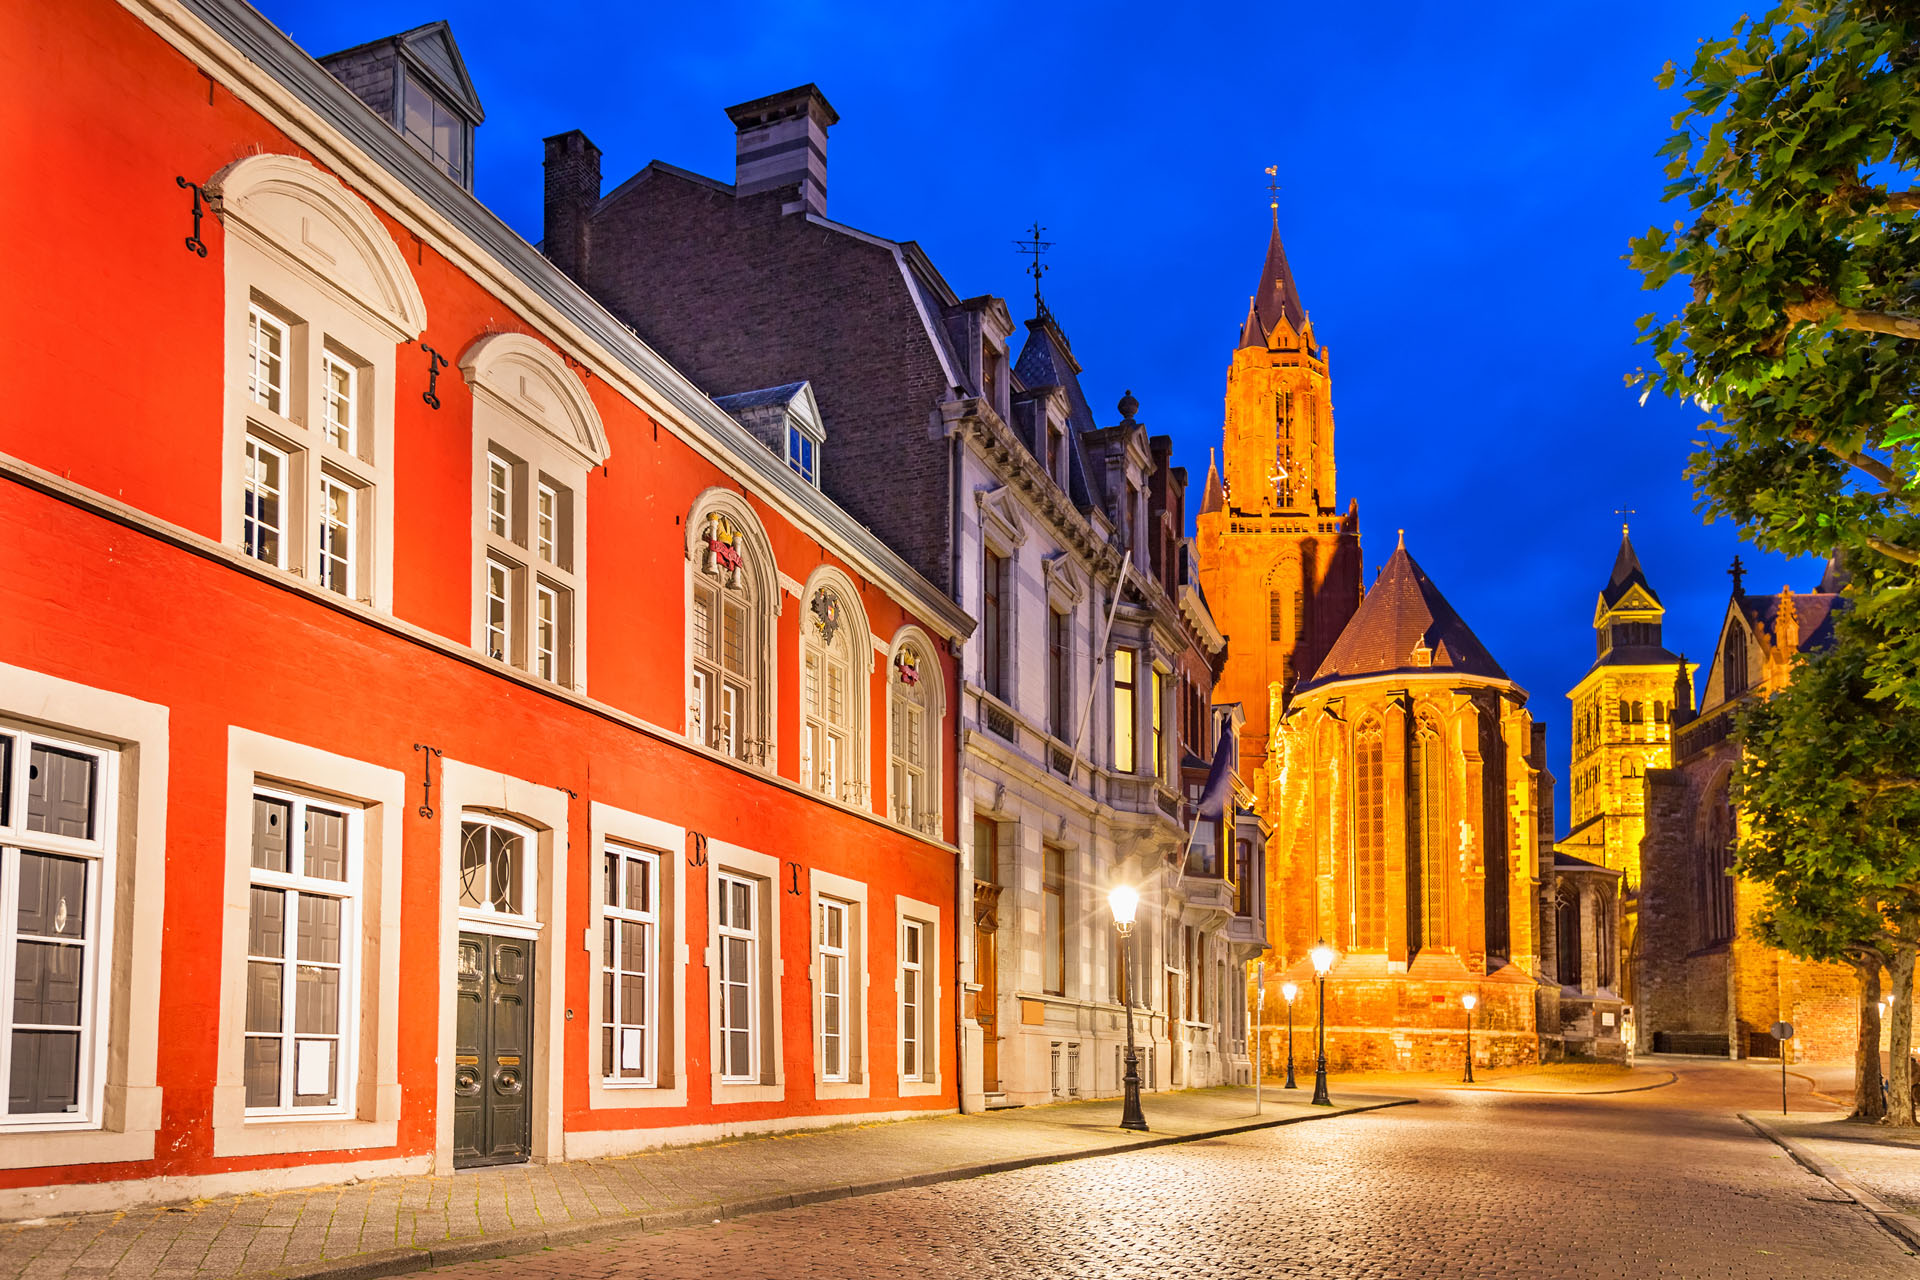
(1868, 1101)
(1900, 1072)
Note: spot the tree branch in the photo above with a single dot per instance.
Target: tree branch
(1894, 551)
(1824, 309)
(1902, 201)
(1879, 470)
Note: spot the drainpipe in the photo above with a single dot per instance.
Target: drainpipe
(963, 873)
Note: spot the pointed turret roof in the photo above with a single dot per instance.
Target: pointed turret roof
(1212, 497)
(1275, 297)
(1626, 573)
(1405, 624)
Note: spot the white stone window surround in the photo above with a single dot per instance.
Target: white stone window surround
(932, 1078)
(257, 760)
(467, 790)
(853, 644)
(312, 254)
(1002, 534)
(611, 825)
(533, 413)
(767, 874)
(859, 982)
(932, 692)
(761, 578)
(128, 1118)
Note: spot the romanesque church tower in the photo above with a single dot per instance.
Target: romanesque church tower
(1280, 564)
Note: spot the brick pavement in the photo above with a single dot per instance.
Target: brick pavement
(389, 1225)
(1878, 1166)
(1475, 1186)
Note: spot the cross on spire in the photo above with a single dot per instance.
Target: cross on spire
(1623, 512)
(1273, 193)
(1034, 246)
(1738, 572)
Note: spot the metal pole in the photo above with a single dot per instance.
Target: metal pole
(1783, 1077)
(1320, 1098)
(1130, 1114)
(1290, 1083)
(1259, 1002)
(1469, 1046)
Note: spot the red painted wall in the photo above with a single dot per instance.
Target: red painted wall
(110, 341)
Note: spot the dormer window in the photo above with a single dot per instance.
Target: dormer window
(990, 359)
(432, 127)
(803, 453)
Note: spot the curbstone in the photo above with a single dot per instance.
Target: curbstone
(1904, 1227)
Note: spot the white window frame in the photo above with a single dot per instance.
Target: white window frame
(348, 892)
(732, 889)
(834, 754)
(733, 713)
(96, 852)
(260, 322)
(340, 413)
(929, 695)
(332, 531)
(257, 448)
(913, 1001)
(616, 829)
(546, 520)
(547, 621)
(767, 1082)
(832, 977)
(616, 917)
(803, 453)
(500, 639)
(1126, 711)
(524, 922)
(928, 1079)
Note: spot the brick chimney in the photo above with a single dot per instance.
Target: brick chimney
(573, 189)
(782, 142)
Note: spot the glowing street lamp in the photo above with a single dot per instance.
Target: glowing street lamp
(1290, 990)
(1469, 1000)
(1323, 957)
(1123, 902)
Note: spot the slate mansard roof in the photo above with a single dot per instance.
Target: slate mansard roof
(1404, 615)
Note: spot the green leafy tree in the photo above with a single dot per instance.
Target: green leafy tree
(1830, 826)
(1794, 161)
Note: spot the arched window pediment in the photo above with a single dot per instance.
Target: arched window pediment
(297, 212)
(525, 378)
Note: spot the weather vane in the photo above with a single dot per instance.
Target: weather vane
(1034, 246)
(1273, 191)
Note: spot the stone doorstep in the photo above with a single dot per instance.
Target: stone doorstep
(1904, 1227)
(403, 1261)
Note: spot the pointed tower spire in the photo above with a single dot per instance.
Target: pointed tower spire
(1212, 496)
(1626, 573)
(1275, 297)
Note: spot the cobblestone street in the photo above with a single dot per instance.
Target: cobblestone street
(1666, 1182)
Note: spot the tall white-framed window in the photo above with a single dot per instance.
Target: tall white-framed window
(56, 891)
(739, 936)
(630, 965)
(536, 437)
(733, 598)
(338, 526)
(835, 659)
(267, 343)
(724, 668)
(913, 1000)
(340, 400)
(496, 870)
(302, 955)
(264, 503)
(1125, 695)
(833, 936)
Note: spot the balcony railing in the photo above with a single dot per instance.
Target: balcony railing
(1000, 722)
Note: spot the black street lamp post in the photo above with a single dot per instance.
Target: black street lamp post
(1290, 990)
(1323, 957)
(1124, 902)
(1469, 1000)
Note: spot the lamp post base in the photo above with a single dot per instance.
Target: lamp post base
(1320, 1098)
(1131, 1116)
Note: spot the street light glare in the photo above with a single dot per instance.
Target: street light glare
(1289, 990)
(1124, 902)
(1470, 1000)
(1323, 957)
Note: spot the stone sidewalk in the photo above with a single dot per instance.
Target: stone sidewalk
(1877, 1167)
(389, 1226)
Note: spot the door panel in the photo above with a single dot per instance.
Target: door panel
(492, 1060)
(986, 971)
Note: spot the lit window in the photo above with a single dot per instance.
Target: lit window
(339, 378)
(833, 991)
(913, 1001)
(55, 855)
(302, 951)
(739, 979)
(263, 523)
(267, 361)
(1159, 711)
(495, 859)
(336, 535)
(629, 966)
(801, 449)
(1123, 710)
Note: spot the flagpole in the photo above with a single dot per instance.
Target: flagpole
(1099, 660)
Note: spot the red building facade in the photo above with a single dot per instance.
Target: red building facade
(431, 732)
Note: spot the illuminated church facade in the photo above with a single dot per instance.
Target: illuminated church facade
(1405, 781)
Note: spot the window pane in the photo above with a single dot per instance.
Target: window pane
(612, 880)
(46, 1073)
(266, 924)
(326, 845)
(53, 896)
(319, 929)
(507, 854)
(263, 1072)
(416, 117)
(271, 820)
(46, 984)
(473, 863)
(316, 1000)
(336, 536)
(315, 1072)
(742, 905)
(264, 982)
(639, 884)
(339, 377)
(6, 781)
(261, 515)
(60, 792)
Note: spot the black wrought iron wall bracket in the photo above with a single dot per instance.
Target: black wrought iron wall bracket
(793, 883)
(698, 858)
(194, 243)
(435, 363)
(426, 777)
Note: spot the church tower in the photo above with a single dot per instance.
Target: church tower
(1624, 712)
(1279, 562)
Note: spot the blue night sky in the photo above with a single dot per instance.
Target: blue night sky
(1457, 199)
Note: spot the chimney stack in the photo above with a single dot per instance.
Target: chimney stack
(782, 142)
(573, 189)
